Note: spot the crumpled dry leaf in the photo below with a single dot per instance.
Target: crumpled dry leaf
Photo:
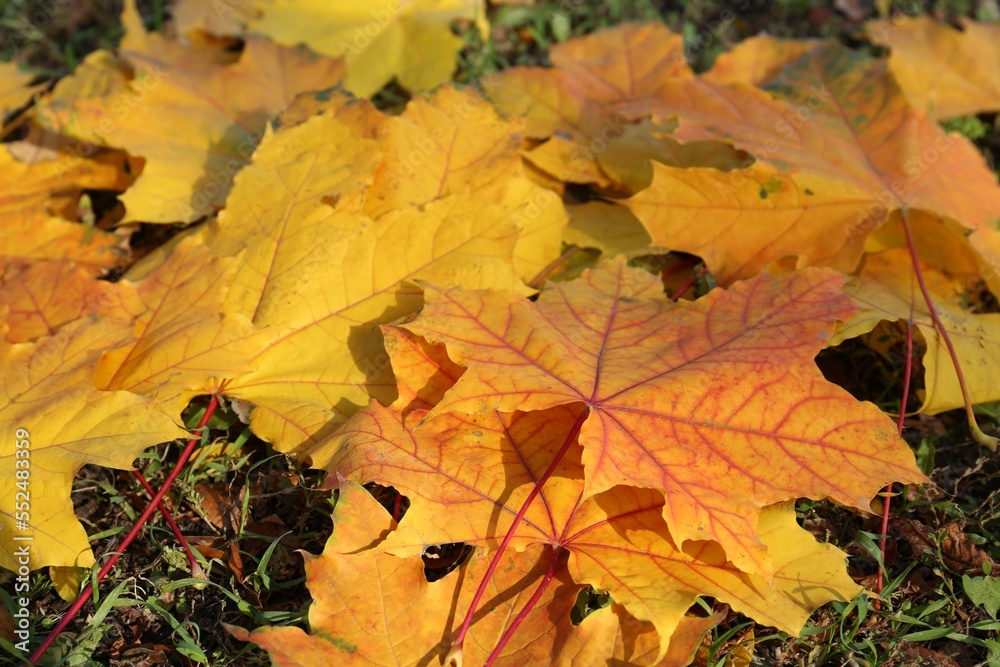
(959, 554)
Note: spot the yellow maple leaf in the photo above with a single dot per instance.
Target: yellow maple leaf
(184, 344)
(409, 40)
(455, 142)
(321, 270)
(944, 71)
(194, 120)
(47, 392)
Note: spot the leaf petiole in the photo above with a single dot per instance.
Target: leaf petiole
(455, 654)
(977, 433)
(535, 597)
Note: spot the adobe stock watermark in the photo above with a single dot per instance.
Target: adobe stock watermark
(21, 541)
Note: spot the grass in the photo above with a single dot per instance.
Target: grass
(51, 37)
(248, 510)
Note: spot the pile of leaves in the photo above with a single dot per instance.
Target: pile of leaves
(568, 316)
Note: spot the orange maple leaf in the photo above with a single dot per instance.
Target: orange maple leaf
(467, 475)
(680, 394)
(830, 164)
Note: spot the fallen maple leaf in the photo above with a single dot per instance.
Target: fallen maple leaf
(320, 269)
(964, 80)
(668, 410)
(47, 393)
(455, 142)
(194, 120)
(184, 344)
(465, 477)
(411, 41)
(828, 158)
(854, 162)
(405, 625)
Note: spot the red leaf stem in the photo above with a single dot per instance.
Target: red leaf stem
(195, 567)
(977, 433)
(87, 592)
(516, 623)
(887, 494)
(456, 648)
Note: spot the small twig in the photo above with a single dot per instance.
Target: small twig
(87, 592)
